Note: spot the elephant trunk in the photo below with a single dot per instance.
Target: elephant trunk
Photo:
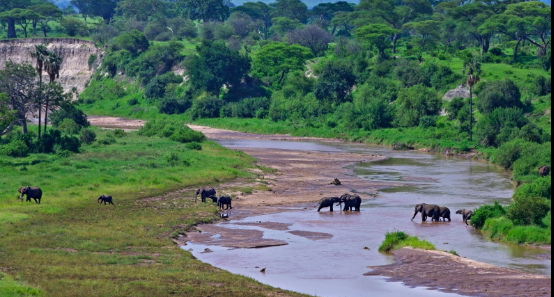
(415, 214)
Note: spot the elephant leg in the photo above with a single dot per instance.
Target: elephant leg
(331, 207)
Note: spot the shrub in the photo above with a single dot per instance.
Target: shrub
(486, 212)
(119, 133)
(195, 146)
(186, 135)
(16, 149)
(496, 51)
(109, 139)
(207, 107)
(498, 228)
(171, 129)
(87, 136)
(170, 105)
(528, 210)
(502, 125)
(541, 86)
(69, 126)
(532, 158)
(156, 88)
(133, 41)
(69, 111)
(173, 159)
(74, 26)
(133, 102)
(541, 187)
(509, 153)
(454, 108)
(499, 94)
(397, 240)
(247, 108)
(91, 60)
(428, 122)
(529, 235)
(414, 103)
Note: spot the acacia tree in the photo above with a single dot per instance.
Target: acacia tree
(7, 5)
(83, 7)
(427, 30)
(292, 9)
(536, 17)
(48, 13)
(19, 82)
(312, 37)
(278, 59)
(260, 12)
(473, 16)
(53, 66)
(472, 67)
(205, 10)
(22, 17)
(396, 13)
(378, 35)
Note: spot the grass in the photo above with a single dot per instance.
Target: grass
(397, 240)
(72, 246)
(503, 229)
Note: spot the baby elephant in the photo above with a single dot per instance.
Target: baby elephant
(225, 201)
(328, 202)
(214, 199)
(466, 213)
(105, 199)
(445, 214)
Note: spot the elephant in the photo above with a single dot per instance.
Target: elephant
(351, 202)
(428, 210)
(32, 193)
(544, 171)
(214, 199)
(225, 201)
(445, 214)
(328, 202)
(466, 213)
(106, 199)
(205, 193)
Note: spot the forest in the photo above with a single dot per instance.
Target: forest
(380, 71)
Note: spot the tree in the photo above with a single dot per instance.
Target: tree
(134, 42)
(537, 17)
(103, 8)
(7, 116)
(22, 17)
(48, 13)
(335, 82)
(215, 65)
(205, 10)
(19, 82)
(292, 9)
(312, 37)
(141, 10)
(396, 13)
(378, 35)
(53, 66)
(415, 103)
(279, 58)
(83, 7)
(509, 25)
(8, 5)
(473, 16)
(472, 67)
(40, 54)
(283, 25)
(327, 11)
(258, 11)
(427, 30)
(499, 94)
(242, 23)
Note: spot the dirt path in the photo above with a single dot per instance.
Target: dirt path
(452, 274)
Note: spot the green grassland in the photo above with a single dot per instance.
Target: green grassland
(71, 246)
(397, 240)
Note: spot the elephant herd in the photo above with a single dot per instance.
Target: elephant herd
(223, 202)
(435, 212)
(35, 193)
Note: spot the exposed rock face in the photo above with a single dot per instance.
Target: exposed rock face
(460, 92)
(75, 72)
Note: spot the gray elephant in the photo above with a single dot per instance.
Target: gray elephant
(466, 213)
(214, 199)
(32, 193)
(106, 199)
(205, 193)
(328, 202)
(225, 201)
(351, 202)
(428, 210)
(445, 214)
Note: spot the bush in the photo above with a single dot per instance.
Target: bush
(69, 111)
(17, 149)
(499, 94)
(133, 41)
(156, 88)
(485, 212)
(528, 210)
(207, 107)
(532, 158)
(108, 140)
(397, 240)
(173, 159)
(187, 135)
(541, 187)
(247, 108)
(69, 126)
(171, 129)
(91, 60)
(428, 122)
(500, 126)
(541, 86)
(454, 108)
(414, 103)
(509, 153)
(87, 136)
(74, 26)
(195, 146)
(496, 51)
(133, 102)
(170, 105)
(498, 228)
(529, 235)
(119, 133)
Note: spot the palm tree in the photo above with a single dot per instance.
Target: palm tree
(472, 65)
(52, 65)
(39, 54)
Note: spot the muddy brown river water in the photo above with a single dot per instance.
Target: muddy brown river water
(333, 265)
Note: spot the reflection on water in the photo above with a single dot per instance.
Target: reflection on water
(334, 267)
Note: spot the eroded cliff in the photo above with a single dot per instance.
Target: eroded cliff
(75, 53)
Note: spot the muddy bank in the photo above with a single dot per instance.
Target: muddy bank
(214, 133)
(452, 274)
(115, 123)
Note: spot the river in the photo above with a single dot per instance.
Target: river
(335, 267)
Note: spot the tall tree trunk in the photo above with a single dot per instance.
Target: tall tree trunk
(46, 115)
(394, 43)
(485, 45)
(35, 24)
(11, 29)
(470, 113)
(282, 77)
(24, 126)
(40, 107)
(516, 50)
(334, 29)
(44, 31)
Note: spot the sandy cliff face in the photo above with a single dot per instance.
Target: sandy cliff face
(75, 53)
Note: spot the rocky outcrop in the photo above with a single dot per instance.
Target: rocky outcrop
(75, 53)
(461, 91)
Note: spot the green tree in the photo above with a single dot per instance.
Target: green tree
(48, 13)
(415, 103)
(40, 54)
(258, 11)
(499, 94)
(205, 10)
(509, 25)
(335, 82)
(19, 82)
(215, 65)
(284, 25)
(472, 16)
(53, 66)
(141, 10)
(7, 116)
(396, 13)
(292, 9)
(22, 17)
(74, 26)
(83, 7)
(378, 35)
(472, 67)
(8, 5)
(427, 31)
(278, 59)
(537, 18)
(327, 11)
(134, 42)
(103, 8)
